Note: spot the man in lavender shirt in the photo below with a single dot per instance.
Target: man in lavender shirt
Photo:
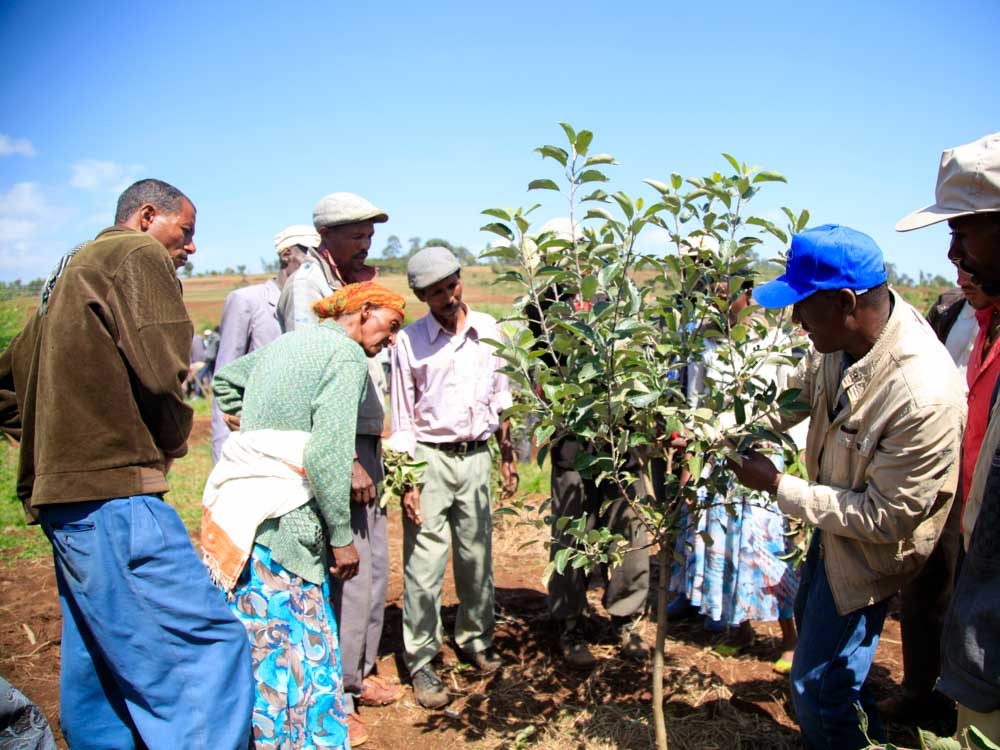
(248, 314)
(447, 398)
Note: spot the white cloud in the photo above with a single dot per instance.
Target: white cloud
(97, 175)
(24, 199)
(20, 146)
(654, 240)
(25, 215)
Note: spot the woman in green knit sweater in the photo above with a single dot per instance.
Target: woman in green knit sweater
(289, 467)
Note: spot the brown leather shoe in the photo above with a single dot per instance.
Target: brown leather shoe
(356, 730)
(376, 692)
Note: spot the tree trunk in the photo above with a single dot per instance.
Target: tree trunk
(659, 721)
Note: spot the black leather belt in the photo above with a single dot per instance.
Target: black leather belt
(458, 449)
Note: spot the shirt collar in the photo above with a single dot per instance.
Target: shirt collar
(984, 315)
(435, 329)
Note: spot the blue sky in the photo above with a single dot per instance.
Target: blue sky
(431, 110)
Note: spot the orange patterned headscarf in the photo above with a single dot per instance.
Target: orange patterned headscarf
(350, 298)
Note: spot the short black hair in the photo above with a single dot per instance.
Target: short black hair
(164, 196)
(876, 295)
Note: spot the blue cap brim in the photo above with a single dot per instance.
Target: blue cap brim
(780, 293)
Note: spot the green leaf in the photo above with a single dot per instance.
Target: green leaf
(591, 175)
(768, 176)
(676, 180)
(570, 133)
(642, 400)
(583, 139)
(739, 408)
(736, 164)
(498, 213)
(979, 740)
(599, 159)
(599, 213)
(547, 574)
(589, 287)
(543, 433)
(554, 152)
(597, 195)
(497, 228)
(543, 185)
(930, 741)
(561, 558)
(657, 185)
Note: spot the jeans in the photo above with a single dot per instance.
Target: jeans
(832, 659)
(151, 655)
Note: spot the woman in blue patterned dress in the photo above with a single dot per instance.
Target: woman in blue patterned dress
(288, 470)
(729, 565)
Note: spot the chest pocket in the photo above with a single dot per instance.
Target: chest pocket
(855, 447)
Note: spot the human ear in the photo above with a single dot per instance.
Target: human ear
(147, 213)
(848, 301)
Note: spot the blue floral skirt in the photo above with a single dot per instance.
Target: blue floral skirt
(728, 563)
(299, 693)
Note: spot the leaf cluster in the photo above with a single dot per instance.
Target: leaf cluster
(608, 331)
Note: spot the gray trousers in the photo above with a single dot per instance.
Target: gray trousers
(359, 603)
(455, 509)
(627, 587)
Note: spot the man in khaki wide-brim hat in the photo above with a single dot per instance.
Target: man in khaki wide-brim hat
(968, 198)
(346, 223)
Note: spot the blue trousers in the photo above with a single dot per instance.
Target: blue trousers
(151, 655)
(832, 659)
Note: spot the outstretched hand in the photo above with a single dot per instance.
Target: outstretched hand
(756, 472)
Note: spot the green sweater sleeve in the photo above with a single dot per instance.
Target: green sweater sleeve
(329, 451)
(230, 382)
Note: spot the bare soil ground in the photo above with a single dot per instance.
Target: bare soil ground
(535, 701)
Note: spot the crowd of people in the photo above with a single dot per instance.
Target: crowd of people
(270, 634)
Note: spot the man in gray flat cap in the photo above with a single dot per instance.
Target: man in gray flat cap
(448, 394)
(248, 314)
(968, 198)
(345, 223)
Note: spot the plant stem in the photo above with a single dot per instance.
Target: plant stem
(659, 721)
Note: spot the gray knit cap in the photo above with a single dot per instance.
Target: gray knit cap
(430, 265)
(345, 208)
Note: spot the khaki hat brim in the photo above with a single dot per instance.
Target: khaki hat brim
(933, 214)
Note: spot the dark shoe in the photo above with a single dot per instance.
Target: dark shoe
(575, 649)
(906, 708)
(486, 661)
(681, 608)
(631, 644)
(429, 689)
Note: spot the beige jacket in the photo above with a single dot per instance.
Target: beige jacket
(886, 466)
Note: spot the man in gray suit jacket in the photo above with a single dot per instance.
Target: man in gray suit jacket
(248, 314)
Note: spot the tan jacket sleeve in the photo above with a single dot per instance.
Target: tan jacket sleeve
(913, 463)
(154, 337)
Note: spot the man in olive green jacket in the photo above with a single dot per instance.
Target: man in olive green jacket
(151, 654)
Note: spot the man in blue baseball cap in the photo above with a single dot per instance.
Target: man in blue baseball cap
(886, 413)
